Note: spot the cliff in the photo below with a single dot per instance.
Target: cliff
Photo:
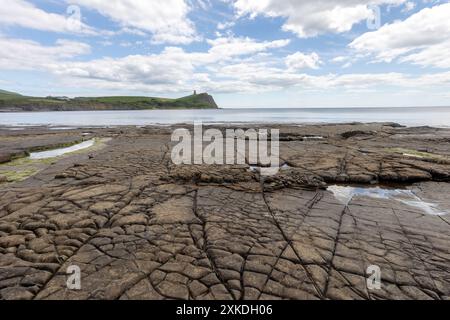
(13, 102)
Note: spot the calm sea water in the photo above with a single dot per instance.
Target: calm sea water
(432, 116)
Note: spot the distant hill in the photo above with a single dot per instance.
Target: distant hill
(14, 102)
(8, 95)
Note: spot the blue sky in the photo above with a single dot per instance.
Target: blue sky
(247, 53)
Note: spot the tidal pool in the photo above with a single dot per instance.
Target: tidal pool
(254, 168)
(61, 151)
(345, 194)
(313, 138)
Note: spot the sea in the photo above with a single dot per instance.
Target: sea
(414, 116)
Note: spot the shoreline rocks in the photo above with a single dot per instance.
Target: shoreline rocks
(140, 227)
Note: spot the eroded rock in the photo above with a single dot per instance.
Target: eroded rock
(140, 227)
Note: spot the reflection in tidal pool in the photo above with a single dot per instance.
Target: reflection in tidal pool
(59, 152)
(254, 168)
(345, 194)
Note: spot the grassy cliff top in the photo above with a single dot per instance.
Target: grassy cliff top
(10, 101)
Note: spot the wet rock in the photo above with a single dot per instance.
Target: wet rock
(5, 157)
(355, 133)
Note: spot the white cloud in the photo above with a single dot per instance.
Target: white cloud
(167, 73)
(167, 68)
(347, 65)
(18, 54)
(300, 60)
(202, 4)
(423, 39)
(339, 59)
(230, 65)
(437, 55)
(225, 25)
(236, 46)
(172, 70)
(259, 77)
(173, 67)
(368, 80)
(166, 20)
(310, 18)
(409, 6)
(24, 14)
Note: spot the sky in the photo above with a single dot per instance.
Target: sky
(246, 53)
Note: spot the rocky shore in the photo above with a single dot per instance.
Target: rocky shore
(140, 227)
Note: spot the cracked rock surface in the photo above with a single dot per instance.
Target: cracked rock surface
(140, 227)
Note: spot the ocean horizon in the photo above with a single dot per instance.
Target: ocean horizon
(408, 116)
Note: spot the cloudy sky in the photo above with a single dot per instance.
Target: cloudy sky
(247, 53)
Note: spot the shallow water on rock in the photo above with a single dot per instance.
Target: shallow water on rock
(313, 138)
(254, 168)
(345, 194)
(61, 151)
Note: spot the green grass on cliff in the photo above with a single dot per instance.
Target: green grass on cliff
(14, 101)
(9, 95)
